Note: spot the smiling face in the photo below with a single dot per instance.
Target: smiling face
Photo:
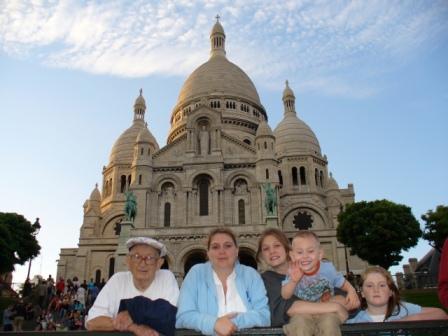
(144, 267)
(307, 251)
(273, 252)
(376, 291)
(222, 252)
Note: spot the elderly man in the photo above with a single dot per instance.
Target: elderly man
(143, 300)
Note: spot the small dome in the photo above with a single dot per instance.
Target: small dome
(264, 130)
(123, 149)
(293, 136)
(95, 195)
(140, 101)
(217, 29)
(287, 92)
(332, 184)
(145, 136)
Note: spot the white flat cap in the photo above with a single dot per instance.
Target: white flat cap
(147, 241)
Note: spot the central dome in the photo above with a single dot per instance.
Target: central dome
(223, 86)
(218, 76)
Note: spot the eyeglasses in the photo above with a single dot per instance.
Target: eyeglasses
(149, 260)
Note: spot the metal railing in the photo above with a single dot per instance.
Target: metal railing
(411, 328)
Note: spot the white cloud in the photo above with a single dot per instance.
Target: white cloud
(270, 40)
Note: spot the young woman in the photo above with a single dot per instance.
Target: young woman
(273, 249)
(381, 302)
(222, 296)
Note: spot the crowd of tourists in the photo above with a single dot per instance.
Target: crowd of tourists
(52, 305)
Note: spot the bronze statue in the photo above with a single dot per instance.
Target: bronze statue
(270, 201)
(130, 208)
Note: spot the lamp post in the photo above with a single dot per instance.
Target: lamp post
(36, 228)
(347, 269)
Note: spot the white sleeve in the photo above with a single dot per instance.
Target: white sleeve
(171, 288)
(105, 303)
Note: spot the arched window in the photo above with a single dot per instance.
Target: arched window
(302, 175)
(141, 151)
(321, 178)
(241, 212)
(316, 176)
(167, 215)
(203, 196)
(280, 177)
(267, 174)
(129, 180)
(97, 276)
(140, 179)
(247, 141)
(111, 266)
(265, 145)
(295, 180)
(123, 183)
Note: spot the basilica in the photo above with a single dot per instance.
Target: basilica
(220, 161)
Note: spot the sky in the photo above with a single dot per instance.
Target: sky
(370, 79)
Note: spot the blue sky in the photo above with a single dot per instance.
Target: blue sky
(370, 79)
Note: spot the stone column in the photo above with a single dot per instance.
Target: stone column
(122, 250)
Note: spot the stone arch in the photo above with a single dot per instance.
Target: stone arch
(190, 256)
(168, 262)
(247, 257)
(322, 216)
(160, 180)
(110, 222)
(194, 257)
(213, 178)
(231, 179)
(213, 116)
(183, 253)
(94, 269)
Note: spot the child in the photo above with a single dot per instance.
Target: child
(273, 249)
(381, 301)
(314, 280)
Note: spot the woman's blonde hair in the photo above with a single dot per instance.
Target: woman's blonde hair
(394, 300)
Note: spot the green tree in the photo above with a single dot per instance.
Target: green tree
(378, 231)
(436, 227)
(17, 241)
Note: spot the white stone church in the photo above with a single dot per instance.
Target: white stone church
(220, 155)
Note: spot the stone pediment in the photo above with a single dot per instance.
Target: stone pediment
(232, 147)
(172, 153)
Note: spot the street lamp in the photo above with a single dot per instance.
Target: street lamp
(36, 228)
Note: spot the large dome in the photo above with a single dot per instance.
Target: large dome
(218, 76)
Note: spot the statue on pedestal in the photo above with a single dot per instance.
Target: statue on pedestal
(270, 201)
(130, 208)
(204, 139)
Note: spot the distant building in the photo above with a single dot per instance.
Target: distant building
(421, 273)
(220, 155)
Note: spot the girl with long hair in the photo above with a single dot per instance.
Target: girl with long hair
(381, 301)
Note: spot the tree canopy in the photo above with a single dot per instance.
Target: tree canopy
(436, 227)
(378, 231)
(17, 241)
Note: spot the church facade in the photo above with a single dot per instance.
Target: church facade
(220, 162)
